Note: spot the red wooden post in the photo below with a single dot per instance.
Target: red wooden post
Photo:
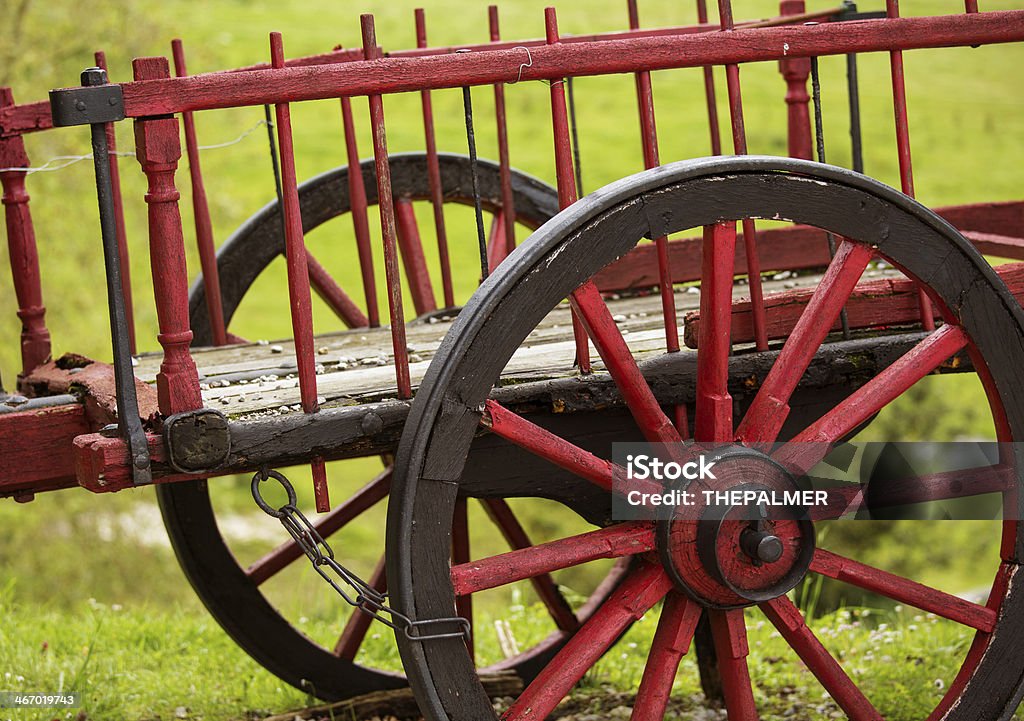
(201, 211)
(21, 246)
(508, 212)
(796, 71)
(158, 149)
(564, 173)
(119, 226)
(709, 89)
(434, 174)
(899, 102)
(649, 143)
(387, 221)
(358, 209)
(299, 293)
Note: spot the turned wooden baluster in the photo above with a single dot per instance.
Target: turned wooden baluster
(795, 71)
(158, 149)
(21, 244)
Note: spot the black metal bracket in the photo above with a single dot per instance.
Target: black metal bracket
(96, 104)
(87, 105)
(197, 441)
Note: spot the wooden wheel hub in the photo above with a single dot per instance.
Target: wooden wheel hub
(738, 542)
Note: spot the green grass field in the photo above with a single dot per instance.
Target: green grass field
(90, 593)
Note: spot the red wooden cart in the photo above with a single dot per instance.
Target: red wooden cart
(799, 332)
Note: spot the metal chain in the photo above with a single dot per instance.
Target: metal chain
(365, 598)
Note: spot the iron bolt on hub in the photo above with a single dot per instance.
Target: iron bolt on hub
(728, 555)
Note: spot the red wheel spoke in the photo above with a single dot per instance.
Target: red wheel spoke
(790, 623)
(359, 623)
(713, 420)
(770, 407)
(497, 245)
(730, 636)
(545, 587)
(413, 260)
(941, 486)
(461, 555)
(542, 442)
(812, 444)
(623, 539)
(672, 640)
(332, 294)
(361, 500)
(638, 593)
(597, 319)
(903, 590)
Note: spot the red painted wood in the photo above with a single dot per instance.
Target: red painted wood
(848, 498)
(642, 589)
(790, 623)
(299, 296)
(434, 175)
(22, 250)
(543, 585)
(119, 225)
(26, 118)
(102, 465)
(497, 248)
(565, 174)
(541, 442)
(201, 213)
(158, 149)
(679, 617)
(810, 445)
(649, 147)
(903, 590)
(363, 499)
(600, 326)
(387, 220)
(618, 541)
(971, 6)
(508, 216)
(413, 260)
(360, 222)
(35, 446)
(333, 295)
(551, 62)
(730, 638)
(358, 624)
(739, 143)
(795, 71)
(899, 101)
(710, 96)
(872, 304)
(461, 556)
(799, 247)
(770, 407)
(713, 420)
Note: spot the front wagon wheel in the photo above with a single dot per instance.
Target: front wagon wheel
(873, 222)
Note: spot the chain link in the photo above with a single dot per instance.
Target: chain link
(354, 590)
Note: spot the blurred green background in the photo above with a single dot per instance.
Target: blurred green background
(93, 577)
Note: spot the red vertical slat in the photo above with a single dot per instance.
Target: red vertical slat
(358, 209)
(564, 173)
(649, 142)
(710, 97)
(508, 216)
(387, 220)
(434, 175)
(299, 295)
(201, 211)
(796, 71)
(899, 102)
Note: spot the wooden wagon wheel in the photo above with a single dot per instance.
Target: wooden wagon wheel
(232, 593)
(981, 316)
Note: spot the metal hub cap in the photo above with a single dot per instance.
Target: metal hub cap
(729, 548)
